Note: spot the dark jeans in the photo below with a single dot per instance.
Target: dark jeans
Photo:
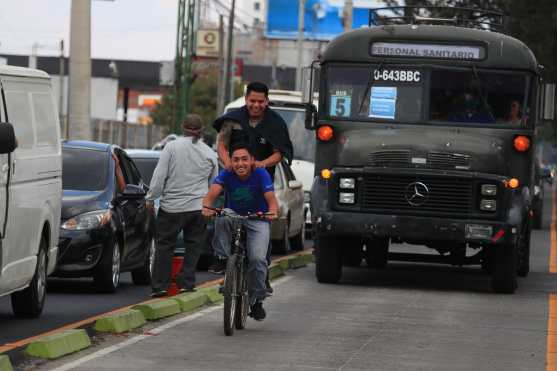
(169, 226)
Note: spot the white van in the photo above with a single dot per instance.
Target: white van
(30, 187)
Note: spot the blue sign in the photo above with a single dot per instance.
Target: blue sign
(383, 92)
(322, 18)
(383, 102)
(340, 105)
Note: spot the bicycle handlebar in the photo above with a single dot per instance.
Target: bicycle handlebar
(231, 214)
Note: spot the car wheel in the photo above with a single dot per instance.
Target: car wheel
(142, 276)
(107, 277)
(280, 247)
(29, 303)
(297, 242)
(328, 259)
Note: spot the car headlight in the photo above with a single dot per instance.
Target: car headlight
(90, 220)
(347, 183)
(489, 190)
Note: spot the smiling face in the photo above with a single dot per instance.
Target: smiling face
(256, 104)
(242, 163)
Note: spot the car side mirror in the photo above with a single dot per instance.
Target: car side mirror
(133, 192)
(8, 143)
(295, 184)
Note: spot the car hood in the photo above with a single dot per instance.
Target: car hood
(303, 170)
(79, 202)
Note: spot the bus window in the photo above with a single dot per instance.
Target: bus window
(373, 94)
(488, 97)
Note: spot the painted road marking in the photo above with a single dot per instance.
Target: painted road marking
(156, 331)
(551, 358)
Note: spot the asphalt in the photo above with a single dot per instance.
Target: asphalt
(407, 317)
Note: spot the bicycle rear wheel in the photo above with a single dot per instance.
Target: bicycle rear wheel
(242, 305)
(230, 294)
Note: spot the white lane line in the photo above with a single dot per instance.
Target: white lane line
(154, 331)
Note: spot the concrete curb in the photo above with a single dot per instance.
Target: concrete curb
(5, 364)
(275, 271)
(213, 294)
(58, 345)
(120, 322)
(297, 262)
(159, 309)
(191, 301)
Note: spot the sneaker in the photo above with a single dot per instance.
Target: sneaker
(218, 266)
(257, 312)
(187, 289)
(159, 293)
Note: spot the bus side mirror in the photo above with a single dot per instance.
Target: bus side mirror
(311, 112)
(548, 112)
(8, 143)
(308, 77)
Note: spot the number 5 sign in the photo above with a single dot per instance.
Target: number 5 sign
(340, 105)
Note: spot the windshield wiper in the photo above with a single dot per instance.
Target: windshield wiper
(482, 97)
(370, 84)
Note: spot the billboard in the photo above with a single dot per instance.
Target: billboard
(322, 18)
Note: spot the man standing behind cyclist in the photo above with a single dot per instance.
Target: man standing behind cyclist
(186, 168)
(248, 190)
(264, 131)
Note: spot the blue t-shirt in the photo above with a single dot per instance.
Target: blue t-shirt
(246, 196)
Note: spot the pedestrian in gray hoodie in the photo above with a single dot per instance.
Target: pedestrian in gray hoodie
(186, 168)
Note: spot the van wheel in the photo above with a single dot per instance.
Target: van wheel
(297, 242)
(29, 303)
(280, 247)
(107, 276)
(142, 276)
(328, 260)
(503, 274)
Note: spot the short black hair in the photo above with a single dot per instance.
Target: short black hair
(239, 145)
(258, 87)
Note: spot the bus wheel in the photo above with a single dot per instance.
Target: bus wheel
(503, 274)
(377, 252)
(328, 259)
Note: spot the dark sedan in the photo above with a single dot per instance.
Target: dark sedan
(106, 228)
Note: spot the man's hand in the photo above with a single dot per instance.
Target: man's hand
(150, 206)
(259, 164)
(208, 213)
(227, 164)
(271, 216)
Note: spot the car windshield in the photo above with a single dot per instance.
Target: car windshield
(146, 167)
(84, 169)
(303, 140)
(435, 94)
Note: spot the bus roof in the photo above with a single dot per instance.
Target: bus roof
(503, 51)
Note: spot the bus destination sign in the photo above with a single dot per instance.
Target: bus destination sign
(440, 51)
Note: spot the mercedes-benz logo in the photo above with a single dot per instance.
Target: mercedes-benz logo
(416, 193)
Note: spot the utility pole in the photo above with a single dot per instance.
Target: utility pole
(185, 39)
(228, 76)
(220, 93)
(347, 15)
(301, 14)
(79, 97)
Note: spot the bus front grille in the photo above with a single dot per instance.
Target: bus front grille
(417, 195)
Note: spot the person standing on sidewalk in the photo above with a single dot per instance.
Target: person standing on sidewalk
(260, 128)
(186, 168)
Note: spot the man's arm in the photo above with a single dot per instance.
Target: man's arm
(209, 199)
(223, 142)
(272, 203)
(270, 161)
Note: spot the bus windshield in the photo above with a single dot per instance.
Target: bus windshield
(411, 94)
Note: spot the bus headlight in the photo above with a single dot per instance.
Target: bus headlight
(347, 183)
(346, 198)
(488, 205)
(489, 190)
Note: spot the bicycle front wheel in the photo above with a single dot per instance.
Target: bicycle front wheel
(230, 294)
(242, 306)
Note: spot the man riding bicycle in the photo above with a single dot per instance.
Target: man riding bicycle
(248, 190)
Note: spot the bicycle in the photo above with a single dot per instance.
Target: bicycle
(236, 298)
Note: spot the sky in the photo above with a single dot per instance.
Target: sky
(120, 29)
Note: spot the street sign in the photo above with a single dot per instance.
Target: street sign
(207, 43)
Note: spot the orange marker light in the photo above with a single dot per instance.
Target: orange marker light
(521, 143)
(325, 133)
(512, 183)
(326, 174)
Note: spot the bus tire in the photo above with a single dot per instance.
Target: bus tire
(377, 252)
(504, 271)
(328, 260)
